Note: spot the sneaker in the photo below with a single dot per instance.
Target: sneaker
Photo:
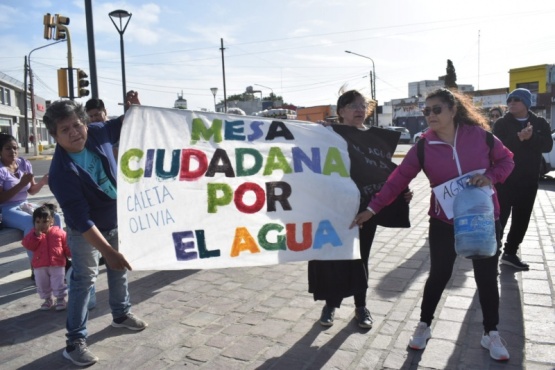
(513, 260)
(496, 346)
(420, 336)
(326, 319)
(363, 317)
(79, 353)
(61, 304)
(47, 304)
(129, 321)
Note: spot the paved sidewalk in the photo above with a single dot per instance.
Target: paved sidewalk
(264, 318)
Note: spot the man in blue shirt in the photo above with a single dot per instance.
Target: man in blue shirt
(82, 177)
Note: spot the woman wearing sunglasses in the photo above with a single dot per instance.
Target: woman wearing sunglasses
(454, 145)
(16, 183)
(494, 114)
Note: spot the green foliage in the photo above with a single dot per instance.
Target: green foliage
(247, 97)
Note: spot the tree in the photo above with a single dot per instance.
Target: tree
(247, 96)
(451, 77)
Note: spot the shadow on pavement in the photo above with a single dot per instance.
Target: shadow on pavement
(547, 183)
(35, 323)
(16, 290)
(302, 355)
(398, 279)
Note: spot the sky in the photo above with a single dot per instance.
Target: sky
(295, 49)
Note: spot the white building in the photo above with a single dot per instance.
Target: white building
(12, 111)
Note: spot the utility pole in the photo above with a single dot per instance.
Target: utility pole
(92, 53)
(25, 108)
(223, 72)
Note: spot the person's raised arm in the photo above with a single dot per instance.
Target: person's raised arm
(131, 98)
(37, 186)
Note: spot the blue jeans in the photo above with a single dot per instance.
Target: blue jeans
(84, 258)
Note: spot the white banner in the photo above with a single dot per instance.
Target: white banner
(207, 190)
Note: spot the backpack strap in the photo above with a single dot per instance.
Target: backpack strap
(420, 148)
(420, 152)
(489, 140)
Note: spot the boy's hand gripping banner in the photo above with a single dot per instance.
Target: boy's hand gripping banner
(207, 190)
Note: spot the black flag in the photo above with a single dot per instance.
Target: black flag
(371, 153)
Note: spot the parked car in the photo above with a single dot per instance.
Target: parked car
(405, 133)
(548, 160)
(416, 136)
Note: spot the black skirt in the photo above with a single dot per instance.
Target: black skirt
(336, 279)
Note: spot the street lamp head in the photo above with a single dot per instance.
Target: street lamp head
(120, 14)
(214, 91)
(267, 87)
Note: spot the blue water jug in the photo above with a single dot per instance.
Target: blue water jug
(474, 223)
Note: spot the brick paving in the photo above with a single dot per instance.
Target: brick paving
(264, 318)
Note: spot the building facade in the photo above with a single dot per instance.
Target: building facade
(540, 80)
(12, 112)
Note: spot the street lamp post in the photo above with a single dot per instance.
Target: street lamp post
(214, 92)
(372, 84)
(33, 108)
(266, 88)
(120, 14)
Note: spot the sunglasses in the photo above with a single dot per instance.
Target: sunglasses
(353, 106)
(516, 100)
(435, 110)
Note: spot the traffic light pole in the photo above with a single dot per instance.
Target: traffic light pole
(69, 62)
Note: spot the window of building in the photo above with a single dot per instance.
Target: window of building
(532, 86)
(5, 97)
(5, 126)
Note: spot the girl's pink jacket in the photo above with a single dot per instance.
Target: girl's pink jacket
(444, 162)
(49, 249)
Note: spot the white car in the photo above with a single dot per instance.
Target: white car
(417, 136)
(405, 133)
(548, 160)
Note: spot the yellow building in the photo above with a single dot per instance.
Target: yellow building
(540, 80)
(533, 78)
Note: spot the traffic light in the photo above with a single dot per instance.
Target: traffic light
(48, 25)
(61, 29)
(62, 83)
(82, 83)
